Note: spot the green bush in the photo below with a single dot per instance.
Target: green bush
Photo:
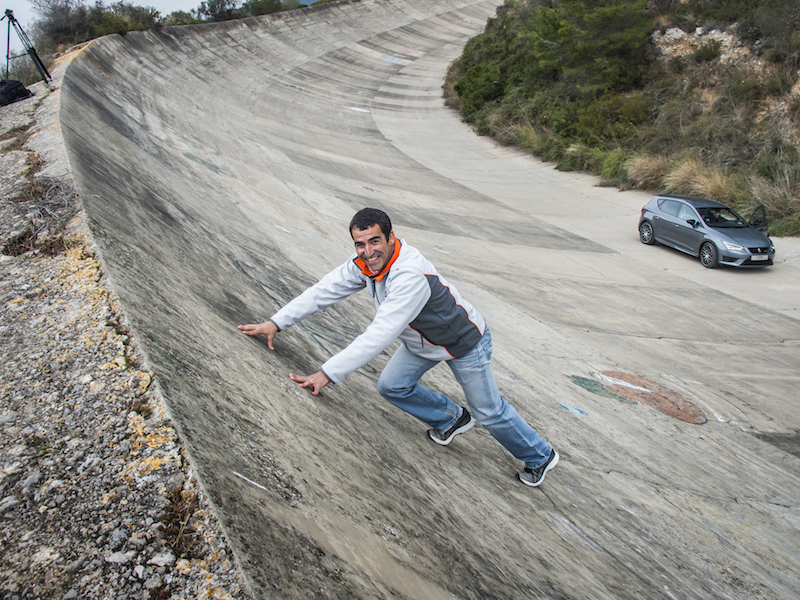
(548, 147)
(578, 157)
(577, 83)
(613, 117)
(217, 10)
(612, 167)
(776, 25)
(784, 226)
(63, 23)
(599, 44)
(254, 8)
(479, 85)
(768, 166)
(707, 51)
(780, 81)
(181, 17)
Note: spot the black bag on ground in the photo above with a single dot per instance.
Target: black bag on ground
(12, 90)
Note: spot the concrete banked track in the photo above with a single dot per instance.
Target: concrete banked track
(219, 167)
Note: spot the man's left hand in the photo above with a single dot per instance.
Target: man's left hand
(317, 381)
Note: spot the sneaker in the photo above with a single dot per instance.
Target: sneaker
(534, 477)
(464, 423)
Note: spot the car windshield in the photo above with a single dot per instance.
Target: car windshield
(721, 217)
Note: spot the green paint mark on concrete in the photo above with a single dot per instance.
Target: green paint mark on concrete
(210, 166)
(597, 388)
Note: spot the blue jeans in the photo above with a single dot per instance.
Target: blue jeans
(399, 384)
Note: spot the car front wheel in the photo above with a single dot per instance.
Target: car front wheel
(646, 233)
(709, 256)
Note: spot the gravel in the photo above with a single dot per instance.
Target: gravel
(97, 497)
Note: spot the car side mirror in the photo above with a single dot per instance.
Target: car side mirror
(693, 223)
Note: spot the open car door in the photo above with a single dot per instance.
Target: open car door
(758, 219)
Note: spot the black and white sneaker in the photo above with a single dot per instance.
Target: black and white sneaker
(534, 477)
(464, 423)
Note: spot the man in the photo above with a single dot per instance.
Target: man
(415, 303)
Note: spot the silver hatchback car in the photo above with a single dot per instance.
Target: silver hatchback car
(709, 230)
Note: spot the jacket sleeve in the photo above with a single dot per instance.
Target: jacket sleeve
(409, 294)
(335, 286)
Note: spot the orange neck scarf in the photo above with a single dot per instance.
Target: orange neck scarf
(385, 270)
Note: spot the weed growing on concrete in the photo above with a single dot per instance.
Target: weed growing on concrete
(47, 205)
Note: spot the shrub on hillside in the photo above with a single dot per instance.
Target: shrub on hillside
(63, 23)
(479, 85)
(707, 51)
(217, 10)
(181, 17)
(685, 177)
(647, 171)
(254, 8)
(697, 124)
(775, 24)
(613, 117)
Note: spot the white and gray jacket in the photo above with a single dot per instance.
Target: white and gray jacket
(412, 302)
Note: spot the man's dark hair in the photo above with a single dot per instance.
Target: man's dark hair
(367, 217)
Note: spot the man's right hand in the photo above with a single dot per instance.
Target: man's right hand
(268, 330)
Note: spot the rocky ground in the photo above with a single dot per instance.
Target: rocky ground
(97, 497)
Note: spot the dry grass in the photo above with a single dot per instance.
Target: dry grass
(647, 171)
(49, 204)
(528, 137)
(717, 186)
(781, 196)
(501, 129)
(794, 109)
(690, 177)
(450, 95)
(685, 177)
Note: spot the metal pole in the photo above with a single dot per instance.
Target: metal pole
(26, 42)
(8, 48)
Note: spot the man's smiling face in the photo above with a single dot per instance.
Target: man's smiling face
(372, 246)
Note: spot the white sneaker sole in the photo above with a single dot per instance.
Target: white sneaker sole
(462, 429)
(552, 464)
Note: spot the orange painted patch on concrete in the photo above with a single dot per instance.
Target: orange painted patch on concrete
(641, 390)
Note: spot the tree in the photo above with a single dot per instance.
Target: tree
(600, 44)
(254, 8)
(68, 22)
(180, 17)
(60, 23)
(218, 10)
(480, 84)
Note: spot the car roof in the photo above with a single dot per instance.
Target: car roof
(696, 202)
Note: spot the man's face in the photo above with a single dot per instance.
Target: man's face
(372, 247)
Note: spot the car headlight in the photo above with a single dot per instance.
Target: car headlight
(734, 247)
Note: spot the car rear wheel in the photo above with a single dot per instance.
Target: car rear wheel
(709, 255)
(646, 233)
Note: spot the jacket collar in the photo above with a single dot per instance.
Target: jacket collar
(385, 270)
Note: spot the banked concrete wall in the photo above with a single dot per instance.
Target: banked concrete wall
(219, 166)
